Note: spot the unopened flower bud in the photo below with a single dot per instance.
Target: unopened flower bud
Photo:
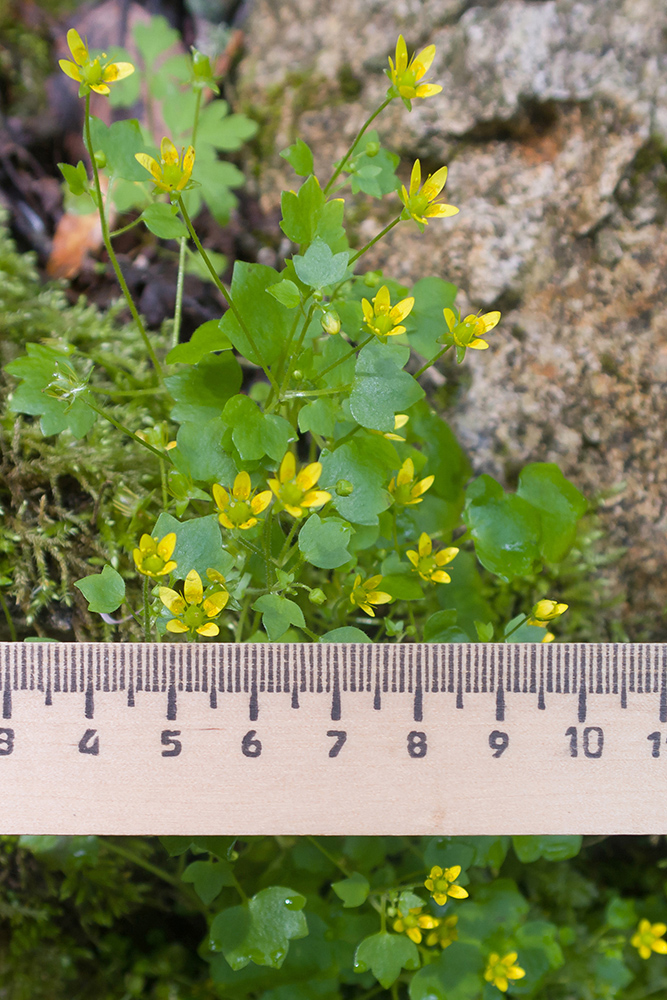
(372, 278)
(330, 321)
(317, 596)
(372, 148)
(100, 159)
(344, 488)
(297, 374)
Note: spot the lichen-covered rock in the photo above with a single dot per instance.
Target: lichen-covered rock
(553, 119)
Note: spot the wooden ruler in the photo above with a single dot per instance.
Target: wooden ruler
(215, 738)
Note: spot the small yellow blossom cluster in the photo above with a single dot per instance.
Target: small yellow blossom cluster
(419, 200)
(295, 490)
(429, 564)
(366, 595)
(382, 318)
(153, 557)
(544, 612)
(405, 73)
(172, 174)
(441, 883)
(649, 938)
(501, 971)
(442, 932)
(406, 490)
(193, 610)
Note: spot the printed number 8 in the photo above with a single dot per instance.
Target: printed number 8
(417, 745)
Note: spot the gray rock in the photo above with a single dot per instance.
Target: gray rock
(553, 120)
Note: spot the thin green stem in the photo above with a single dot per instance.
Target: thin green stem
(266, 545)
(163, 483)
(222, 288)
(376, 239)
(8, 618)
(327, 854)
(136, 859)
(124, 229)
(147, 610)
(431, 362)
(110, 250)
(126, 430)
(345, 357)
(195, 123)
(288, 542)
(270, 403)
(334, 176)
(178, 305)
(238, 633)
(306, 393)
(295, 352)
(383, 915)
(125, 392)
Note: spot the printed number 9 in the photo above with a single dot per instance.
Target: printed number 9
(417, 745)
(498, 742)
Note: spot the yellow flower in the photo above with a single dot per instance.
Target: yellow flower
(445, 933)
(91, 74)
(500, 970)
(364, 595)
(545, 611)
(295, 490)
(428, 565)
(421, 205)
(648, 938)
(405, 489)
(240, 510)
(405, 75)
(173, 171)
(192, 610)
(153, 557)
(382, 318)
(400, 420)
(442, 883)
(467, 333)
(414, 922)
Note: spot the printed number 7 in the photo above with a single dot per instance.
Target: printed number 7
(340, 740)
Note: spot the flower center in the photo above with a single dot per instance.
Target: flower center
(426, 566)
(194, 616)
(382, 324)
(402, 494)
(153, 563)
(360, 596)
(239, 512)
(291, 493)
(92, 72)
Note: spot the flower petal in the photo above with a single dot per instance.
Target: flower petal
(209, 628)
(117, 71)
(166, 546)
(149, 164)
(367, 310)
(294, 511)
(401, 55)
(379, 597)
(457, 892)
(489, 320)
(425, 547)
(242, 486)
(214, 604)
(193, 589)
(315, 498)
(287, 467)
(428, 89)
(261, 501)
(100, 88)
(441, 211)
(175, 626)
(406, 473)
(414, 559)
(168, 568)
(382, 301)
(168, 152)
(415, 177)
(70, 69)
(439, 576)
(434, 184)
(221, 496)
(172, 601)
(478, 345)
(77, 47)
(422, 61)
(422, 486)
(401, 310)
(308, 476)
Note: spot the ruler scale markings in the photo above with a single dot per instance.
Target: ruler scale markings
(48, 699)
(213, 694)
(7, 696)
(459, 679)
(631, 659)
(295, 687)
(335, 701)
(253, 708)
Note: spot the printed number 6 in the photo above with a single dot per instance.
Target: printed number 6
(250, 747)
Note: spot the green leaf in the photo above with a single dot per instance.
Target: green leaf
(611, 974)
(320, 416)
(76, 177)
(426, 321)
(105, 591)
(497, 904)
(319, 267)
(308, 214)
(550, 847)
(442, 627)
(323, 541)
(353, 890)
(366, 462)
(402, 586)
(119, 142)
(206, 338)
(300, 157)
(208, 878)
(505, 528)
(385, 955)
(163, 221)
(380, 388)
(195, 265)
(216, 179)
(455, 975)
(620, 913)
(348, 633)
(269, 322)
(260, 932)
(198, 544)
(278, 613)
(255, 433)
(200, 454)
(560, 504)
(201, 391)
(175, 846)
(154, 37)
(37, 369)
(540, 937)
(222, 131)
(285, 291)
